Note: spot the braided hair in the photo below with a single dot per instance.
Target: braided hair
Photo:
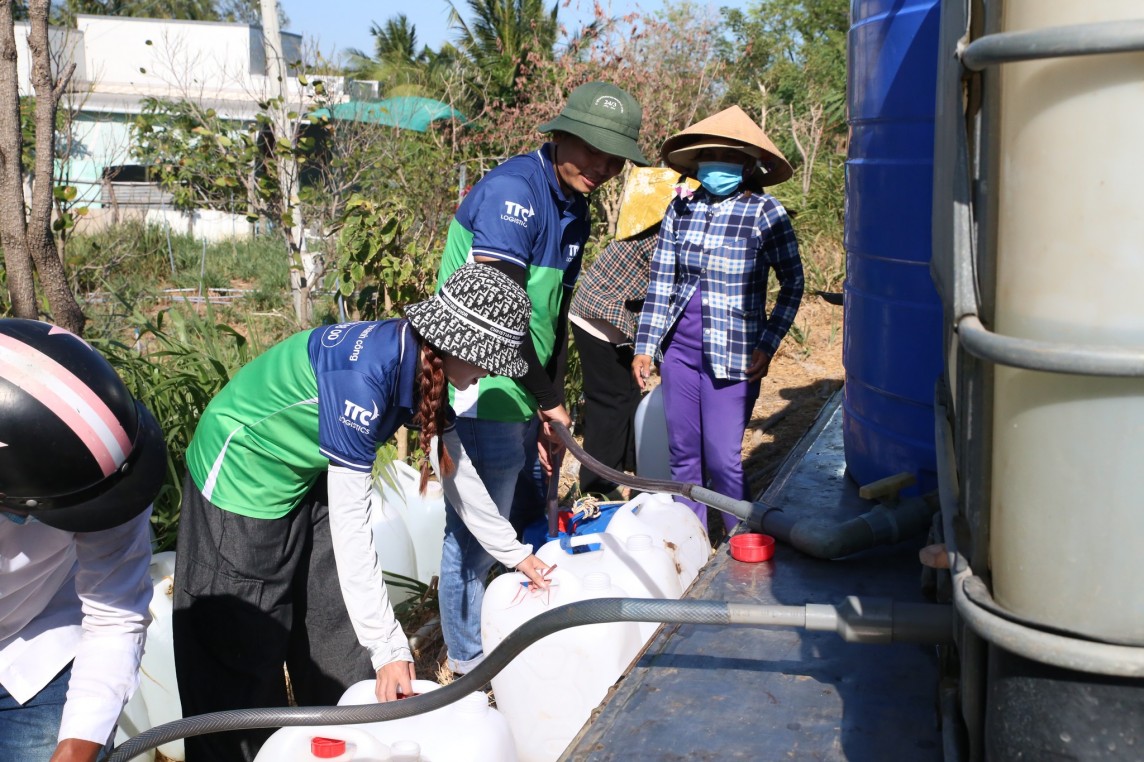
(432, 409)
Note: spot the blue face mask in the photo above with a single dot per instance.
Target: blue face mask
(719, 177)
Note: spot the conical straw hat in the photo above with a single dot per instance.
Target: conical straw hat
(645, 197)
(729, 128)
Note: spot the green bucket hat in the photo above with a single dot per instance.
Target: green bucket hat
(605, 117)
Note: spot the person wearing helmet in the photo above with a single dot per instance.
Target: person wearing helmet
(276, 561)
(528, 218)
(705, 310)
(80, 463)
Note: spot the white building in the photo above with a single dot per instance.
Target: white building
(119, 62)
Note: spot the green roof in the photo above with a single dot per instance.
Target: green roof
(409, 112)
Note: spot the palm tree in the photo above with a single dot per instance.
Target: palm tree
(501, 38)
(398, 66)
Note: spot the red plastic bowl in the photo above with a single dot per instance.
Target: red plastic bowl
(752, 547)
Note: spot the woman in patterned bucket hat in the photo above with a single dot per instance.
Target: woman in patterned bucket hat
(276, 560)
(479, 316)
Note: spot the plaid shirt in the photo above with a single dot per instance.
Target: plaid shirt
(612, 288)
(726, 247)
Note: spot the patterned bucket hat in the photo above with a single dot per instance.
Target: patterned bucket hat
(481, 316)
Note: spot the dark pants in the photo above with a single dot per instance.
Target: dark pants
(611, 397)
(252, 595)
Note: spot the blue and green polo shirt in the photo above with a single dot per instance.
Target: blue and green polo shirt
(329, 395)
(518, 213)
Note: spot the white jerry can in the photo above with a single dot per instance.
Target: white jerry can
(424, 515)
(671, 525)
(467, 730)
(339, 743)
(157, 684)
(548, 691)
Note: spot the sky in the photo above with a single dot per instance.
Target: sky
(338, 25)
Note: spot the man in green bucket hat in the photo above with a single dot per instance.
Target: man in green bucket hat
(529, 218)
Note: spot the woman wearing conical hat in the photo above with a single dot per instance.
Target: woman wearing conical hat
(705, 314)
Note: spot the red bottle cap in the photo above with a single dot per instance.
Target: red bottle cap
(752, 547)
(327, 748)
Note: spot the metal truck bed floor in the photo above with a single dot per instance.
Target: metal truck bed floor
(708, 692)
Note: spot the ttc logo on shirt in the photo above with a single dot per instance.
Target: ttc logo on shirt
(357, 417)
(517, 214)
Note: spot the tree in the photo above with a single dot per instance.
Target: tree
(242, 11)
(26, 232)
(786, 64)
(191, 10)
(502, 41)
(397, 65)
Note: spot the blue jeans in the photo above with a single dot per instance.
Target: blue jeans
(497, 450)
(530, 498)
(29, 732)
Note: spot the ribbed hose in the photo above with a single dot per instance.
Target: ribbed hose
(740, 508)
(878, 526)
(925, 624)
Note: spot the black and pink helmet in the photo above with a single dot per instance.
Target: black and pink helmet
(77, 451)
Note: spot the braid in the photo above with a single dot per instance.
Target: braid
(434, 402)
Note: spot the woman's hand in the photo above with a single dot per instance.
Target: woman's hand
(641, 369)
(760, 364)
(535, 569)
(549, 444)
(394, 678)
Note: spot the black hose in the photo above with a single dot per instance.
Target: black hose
(871, 621)
(619, 477)
(552, 499)
(596, 611)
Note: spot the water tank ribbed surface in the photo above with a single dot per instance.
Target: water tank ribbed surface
(892, 318)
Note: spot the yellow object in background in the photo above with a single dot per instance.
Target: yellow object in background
(645, 198)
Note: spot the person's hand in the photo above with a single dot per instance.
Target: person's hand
(394, 678)
(535, 569)
(549, 445)
(760, 364)
(75, 750)
(641, 369)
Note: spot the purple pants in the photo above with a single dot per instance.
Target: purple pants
(706, 416)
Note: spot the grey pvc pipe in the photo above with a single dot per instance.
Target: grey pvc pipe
(1048, 356)
(878, 526)
(1054, 42)
(859, 620)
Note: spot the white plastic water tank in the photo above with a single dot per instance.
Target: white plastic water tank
(1067, 483)
(548, 691)
(671, 525)
(468, 730)
(311, 743)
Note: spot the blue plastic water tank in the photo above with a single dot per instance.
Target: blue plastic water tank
(892, 318)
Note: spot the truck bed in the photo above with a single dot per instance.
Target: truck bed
(706, 692)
